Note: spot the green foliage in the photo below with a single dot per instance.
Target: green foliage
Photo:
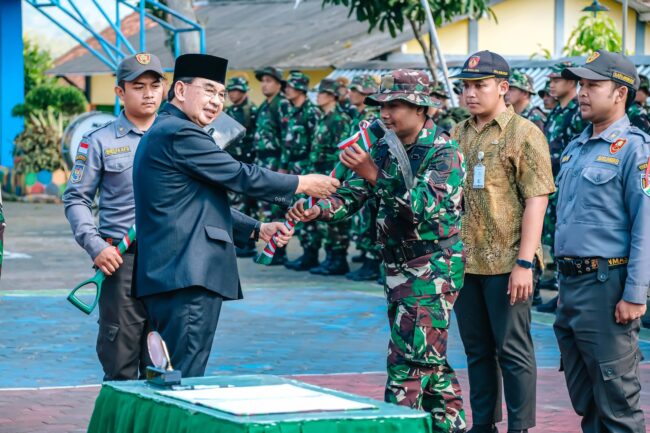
(392, 14)
(38, 147)
(37, 62)
(542, 52)
(66, 100)
(593, 33)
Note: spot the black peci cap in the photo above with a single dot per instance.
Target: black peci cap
(484, 64)
(606, 66)
(201, 66)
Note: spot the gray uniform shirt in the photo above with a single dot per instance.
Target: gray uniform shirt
(104, 162)
(603, 205)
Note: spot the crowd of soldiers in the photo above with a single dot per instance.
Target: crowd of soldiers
(291, 134)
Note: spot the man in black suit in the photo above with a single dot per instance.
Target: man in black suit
(187, 232)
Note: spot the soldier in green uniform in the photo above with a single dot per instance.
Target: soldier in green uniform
(343, 97)
(562, 124)
(270, 130)
(519, 94)
(334, 127)
(301, 132)
(419, 230)
(549, 102)
(444, 116)
(364, 224)
(637, 111)
(243, 111)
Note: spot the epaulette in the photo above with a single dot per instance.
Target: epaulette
(97, 128)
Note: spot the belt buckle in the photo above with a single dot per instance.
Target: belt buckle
(405, 249)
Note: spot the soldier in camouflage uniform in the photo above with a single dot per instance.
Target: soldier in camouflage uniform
(562, 124)
(270, 130)
(364, 224)
(334, 127)
(419, 230)
(301, 132)
(243, 111)
(343, 97)
(519, 94)
(549, 102)
(444, 116)
(637, 111)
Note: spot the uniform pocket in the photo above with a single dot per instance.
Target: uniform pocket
(118, 165)
(622, 382)
(598, 186)
(218, 234)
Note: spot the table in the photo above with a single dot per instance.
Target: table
(134, 407)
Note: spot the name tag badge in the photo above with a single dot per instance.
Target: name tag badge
(479, 173)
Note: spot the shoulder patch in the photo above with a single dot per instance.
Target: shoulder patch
(77, 172)
(617, 145)
(608, 160)
(566, 158)
(645, 180)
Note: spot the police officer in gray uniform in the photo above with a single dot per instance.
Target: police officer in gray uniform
(601, 242)
(104, 164)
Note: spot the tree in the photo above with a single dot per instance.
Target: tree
(391, 15)
(37, 62)
(65, 100)
(594, 33)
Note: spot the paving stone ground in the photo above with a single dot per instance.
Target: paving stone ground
(323, 330)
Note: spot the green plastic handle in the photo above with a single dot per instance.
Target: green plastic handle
(99, 277)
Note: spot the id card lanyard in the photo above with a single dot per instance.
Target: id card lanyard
(479, 172)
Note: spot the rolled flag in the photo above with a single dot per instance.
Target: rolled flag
(369, 134)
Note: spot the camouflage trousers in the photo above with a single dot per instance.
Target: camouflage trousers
(419, 375)
(364, 231)
(335, 237)
(548, 231)
(2, 232)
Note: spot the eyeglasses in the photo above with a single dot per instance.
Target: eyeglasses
(209, 92)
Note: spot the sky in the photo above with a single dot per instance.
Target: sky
(38, 27)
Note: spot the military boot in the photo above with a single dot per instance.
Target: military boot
(308, 260)
(320, 269)
(279, 257)
(359, 258)
(338, 265)
(483, 428)
(368, 272)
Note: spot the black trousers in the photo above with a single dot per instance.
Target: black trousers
(499, 348)
(122, 337)
(187, 320)
(600, 357)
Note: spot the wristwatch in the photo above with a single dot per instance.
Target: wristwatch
(256, 232)
(524, 263)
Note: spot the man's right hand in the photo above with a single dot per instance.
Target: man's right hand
(299, 213)
(108, 261)
(317, 185)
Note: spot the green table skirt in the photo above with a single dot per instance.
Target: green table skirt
(134, 407)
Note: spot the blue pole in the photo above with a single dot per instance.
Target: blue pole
(12, 84)
(143, 45)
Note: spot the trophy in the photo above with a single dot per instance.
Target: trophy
(161, 373)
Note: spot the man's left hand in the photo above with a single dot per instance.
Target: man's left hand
(627, 311)
(267, 230)
(359, 161)
(520, 285)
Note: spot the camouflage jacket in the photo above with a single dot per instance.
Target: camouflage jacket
(346, 107)
(430, 211)
(446, 119)
(561, 126)
(368, 113)
(535, 115)
(271, 126)
(639, 117)
(246, 114)
(333, 128)
(301, 132)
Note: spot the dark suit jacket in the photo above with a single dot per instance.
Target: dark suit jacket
(186, 230)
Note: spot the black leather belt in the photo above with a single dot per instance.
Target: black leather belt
(410, 250)
(572, 266)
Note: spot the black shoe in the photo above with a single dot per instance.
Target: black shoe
(338, 265)
(321, 269)
(368, 272)
(490, 428)
(550, 284)
(645, 321)
(518, 431)
(359, 258)
(308, 260)
(279, 257)
(548, 307)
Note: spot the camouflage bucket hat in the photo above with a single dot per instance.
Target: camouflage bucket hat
(366, 84)
(545, 91)
(328, 85)
(645, 83)
(237, 83)
(522, 81)
(405, 85)
(439, 92)
(271, 71)
(298, 80)
(556, 70)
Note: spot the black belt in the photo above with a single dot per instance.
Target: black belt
(410, 250)
(571, 266)
(115, 242)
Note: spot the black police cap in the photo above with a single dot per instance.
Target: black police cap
(484, 64)
(201, 66)
(606, 66)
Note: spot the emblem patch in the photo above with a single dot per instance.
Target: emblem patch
(77, 173)
(593, 57)
(473, 62)
(143, 58)
(81, 158)
(608, 160)
(617, 145)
